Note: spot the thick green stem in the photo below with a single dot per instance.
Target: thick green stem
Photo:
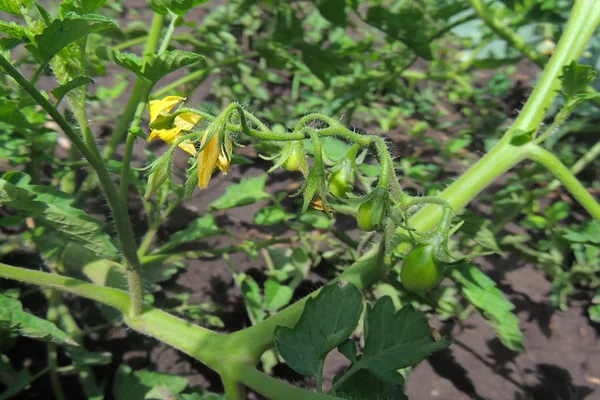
(587, 11)
(275, 389)
(119, 209)
(564, 175)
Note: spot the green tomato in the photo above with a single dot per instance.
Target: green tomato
(292, 163)
(420, 271)
(338, 183)
(365, 219)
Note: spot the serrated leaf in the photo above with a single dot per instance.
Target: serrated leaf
(144, 384)
(326, 322)
(51, 208)
(13, 318)
(14, 6)
(277, 295)
(62, 90)
(60, 33)
(168, 62)
(200, 228)
(576, 78)
(395, 340)
(248, 191)
(80, 6)
(481, 291)
(129, 61)
(15, 30)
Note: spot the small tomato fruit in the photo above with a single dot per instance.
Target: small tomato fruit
(292, 163)
(338, 184)
(365, 218)
(420, 270)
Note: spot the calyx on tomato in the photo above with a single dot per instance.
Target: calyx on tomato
(421, 271)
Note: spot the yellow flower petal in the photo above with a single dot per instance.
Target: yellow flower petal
(163, 105)
(188, 147)
(186, 121)
(207, 161)
(167, 135)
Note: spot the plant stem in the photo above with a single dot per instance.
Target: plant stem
(140, 92)
(576, 168)
(119, 209)
(52, 315)
(591, 14)
(113, 297)
(564, 175)
(273, 388)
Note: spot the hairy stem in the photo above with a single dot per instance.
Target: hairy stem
(119, 209)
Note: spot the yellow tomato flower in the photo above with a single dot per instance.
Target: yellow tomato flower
(210, 158)
(183, 122)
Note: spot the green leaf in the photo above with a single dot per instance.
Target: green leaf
(80, 6)
(589, 233)
(143, 384)
(76, 82)
(248, 191)
(348, 349)
(405, 24)
(316, 219)
(51, 208)
(395, 340)
(62, 32)
(14, 6)
(366, 385)
(200, 228)
(277, 295)
(15, 381)
(482, 292)
(84, 357)
(326, 322)
(270, 216)
(594, 309)
(179, 7)
(252, 298)
(13, 318)
(576, 78)
(333, 10)
(16, 31)
(168, 62)
(129, 61)
(520, 137)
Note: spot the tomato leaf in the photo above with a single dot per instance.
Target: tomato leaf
(13, 318)
(200, 228)
(326, 322)
(481, 291)
(248, 191)
(60, 33)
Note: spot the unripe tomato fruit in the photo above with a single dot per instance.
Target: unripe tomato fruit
(420, 271)
(338, 183)
(293, 161)
(365, 217)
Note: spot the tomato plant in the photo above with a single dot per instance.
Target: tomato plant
(75, 200)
